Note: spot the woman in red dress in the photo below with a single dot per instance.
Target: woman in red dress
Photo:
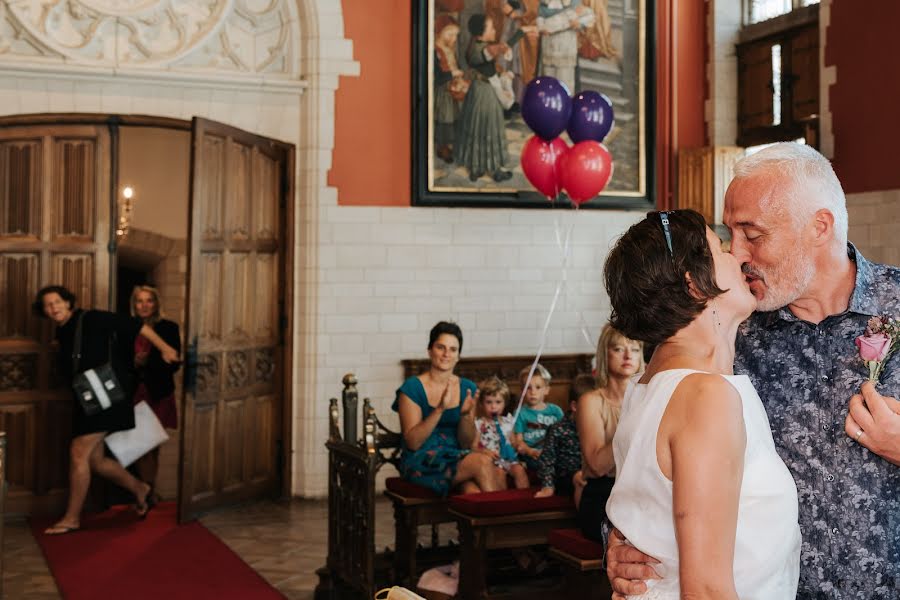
(156, 381)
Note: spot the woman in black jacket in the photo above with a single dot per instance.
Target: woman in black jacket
(105, 337)
(156, 381)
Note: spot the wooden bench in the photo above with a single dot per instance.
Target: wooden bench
(353, 566)
(564, 368)
(582, 561)
(497, 520)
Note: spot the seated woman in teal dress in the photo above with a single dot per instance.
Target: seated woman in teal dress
(438, 423)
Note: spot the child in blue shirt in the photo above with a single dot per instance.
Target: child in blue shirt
(535, 416)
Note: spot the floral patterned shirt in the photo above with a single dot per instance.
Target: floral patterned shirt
(849, 497)
(561, 456)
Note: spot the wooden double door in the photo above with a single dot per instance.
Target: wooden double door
(58, 193)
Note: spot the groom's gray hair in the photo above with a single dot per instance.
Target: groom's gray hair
(814, 184)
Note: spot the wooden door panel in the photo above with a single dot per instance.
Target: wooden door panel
(238, 195)
(267, 187)
(204, 456)
(210, 187)
(19, 372)
(237, 374)
(19, 272)
(20, 422)
(233, 430)
(20, 187)
(240, 313)
(210, 278)
(259, 443)
(265, 298)
(237, 290)
(804, 71)
(55, 209)
(75, 185)
(755, 103)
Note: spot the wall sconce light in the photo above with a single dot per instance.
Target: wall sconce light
(125, 208)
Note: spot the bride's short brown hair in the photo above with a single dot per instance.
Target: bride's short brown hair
(648, 284)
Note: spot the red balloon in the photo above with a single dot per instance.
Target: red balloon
(585, 170)
(540, 162)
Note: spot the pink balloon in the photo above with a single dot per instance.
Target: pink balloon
(585, 170)
(540, 162)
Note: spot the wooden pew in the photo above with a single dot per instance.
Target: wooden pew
(497, 520)
(564, 368)
(582, 561)
(353, 566)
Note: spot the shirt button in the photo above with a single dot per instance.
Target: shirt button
(825, 428)
(834, 530)
(829, 477)
(824, 377)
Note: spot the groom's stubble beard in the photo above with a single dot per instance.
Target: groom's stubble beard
(785, 281)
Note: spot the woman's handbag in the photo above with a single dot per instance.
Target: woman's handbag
(96, 389)
(148, 433)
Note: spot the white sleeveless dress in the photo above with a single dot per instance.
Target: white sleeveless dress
(767, 545)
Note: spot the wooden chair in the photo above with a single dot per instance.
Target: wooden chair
(350, 567)
(353, 567)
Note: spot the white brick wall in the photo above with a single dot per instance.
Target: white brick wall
(393, 272)
(370, 282)
(874, 223)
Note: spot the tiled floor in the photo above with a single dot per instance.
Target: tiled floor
(284, 541)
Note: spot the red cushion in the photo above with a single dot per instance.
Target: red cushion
(572, 542)
(407, 489)
(508, 502)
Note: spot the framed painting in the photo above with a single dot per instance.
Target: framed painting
(472, 60)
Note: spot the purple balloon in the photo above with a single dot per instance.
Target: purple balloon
(546, 107)
(592, 117)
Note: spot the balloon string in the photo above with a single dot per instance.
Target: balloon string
(566, 247)
(568, 295)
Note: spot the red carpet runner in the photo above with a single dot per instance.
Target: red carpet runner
(116, 556)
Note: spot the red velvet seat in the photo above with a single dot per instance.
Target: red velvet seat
(407, 489)
(571, 541)
(508, 502)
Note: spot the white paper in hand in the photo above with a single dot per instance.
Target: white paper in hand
(148, 433)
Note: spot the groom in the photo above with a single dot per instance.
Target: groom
(788, 219)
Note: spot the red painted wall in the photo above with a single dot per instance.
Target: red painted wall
(371, 162)
(690, 73)
(862, 42)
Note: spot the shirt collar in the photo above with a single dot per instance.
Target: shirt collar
(862, 301)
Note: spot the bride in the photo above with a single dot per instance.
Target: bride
(699, 485)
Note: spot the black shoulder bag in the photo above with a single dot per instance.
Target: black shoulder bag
(96, 389)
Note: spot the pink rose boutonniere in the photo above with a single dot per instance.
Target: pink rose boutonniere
(881, 339)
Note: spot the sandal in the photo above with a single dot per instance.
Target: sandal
(61, 529)
(143, 508)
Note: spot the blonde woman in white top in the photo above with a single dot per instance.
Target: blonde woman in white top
(699, 485)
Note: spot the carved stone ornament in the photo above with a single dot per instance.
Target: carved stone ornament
(208, 36)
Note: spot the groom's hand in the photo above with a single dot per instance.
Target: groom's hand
(627, 567)
(873, 421)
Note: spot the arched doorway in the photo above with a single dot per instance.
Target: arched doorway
(60, 195)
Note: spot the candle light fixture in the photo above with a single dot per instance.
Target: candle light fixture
(125, 208)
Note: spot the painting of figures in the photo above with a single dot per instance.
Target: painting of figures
(472, 64)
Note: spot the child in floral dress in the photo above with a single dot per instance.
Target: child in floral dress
(493, 427)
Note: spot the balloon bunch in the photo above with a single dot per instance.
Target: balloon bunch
(548, 162)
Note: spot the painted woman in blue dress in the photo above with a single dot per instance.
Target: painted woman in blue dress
(438, 423)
